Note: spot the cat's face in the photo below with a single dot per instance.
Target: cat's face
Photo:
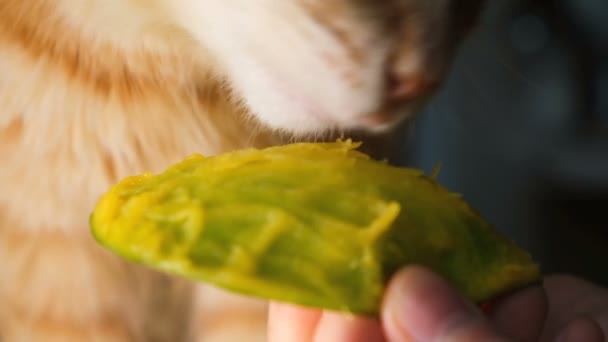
(307, 66)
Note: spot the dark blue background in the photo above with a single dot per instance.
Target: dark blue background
(521, 129)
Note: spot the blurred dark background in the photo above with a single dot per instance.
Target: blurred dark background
(521, 129)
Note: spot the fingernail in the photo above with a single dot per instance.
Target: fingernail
(420, 306)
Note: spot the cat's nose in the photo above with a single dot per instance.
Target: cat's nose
(402, 87)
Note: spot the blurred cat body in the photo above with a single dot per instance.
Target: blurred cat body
(92, 91)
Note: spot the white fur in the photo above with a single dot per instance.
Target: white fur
(276, 56)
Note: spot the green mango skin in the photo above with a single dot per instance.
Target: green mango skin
(319, 225)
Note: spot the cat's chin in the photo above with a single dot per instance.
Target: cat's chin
(314, 123)
(331, 106)
(301, 118)
(326, 104)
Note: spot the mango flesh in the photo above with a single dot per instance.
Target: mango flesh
(319, 225)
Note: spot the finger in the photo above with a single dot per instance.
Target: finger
(335, 327)
(291, 323)
(521, 315)
(582, 329)
(602, 321)
(420, 306)
(571, 297)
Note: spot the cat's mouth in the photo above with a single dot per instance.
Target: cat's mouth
(380, 118)
(391, 114)
(381, 121)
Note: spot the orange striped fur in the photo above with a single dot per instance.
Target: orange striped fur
(92, 91)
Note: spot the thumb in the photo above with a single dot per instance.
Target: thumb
(421, 306)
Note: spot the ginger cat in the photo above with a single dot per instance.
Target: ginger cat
(92, 91)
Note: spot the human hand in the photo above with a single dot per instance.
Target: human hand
(420, 306)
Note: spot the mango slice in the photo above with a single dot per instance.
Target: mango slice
(319, 225)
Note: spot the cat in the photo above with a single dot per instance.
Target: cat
(92, 91)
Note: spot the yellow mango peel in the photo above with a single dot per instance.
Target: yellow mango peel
(315, 224)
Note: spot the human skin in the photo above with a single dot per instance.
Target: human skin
(421, 306)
